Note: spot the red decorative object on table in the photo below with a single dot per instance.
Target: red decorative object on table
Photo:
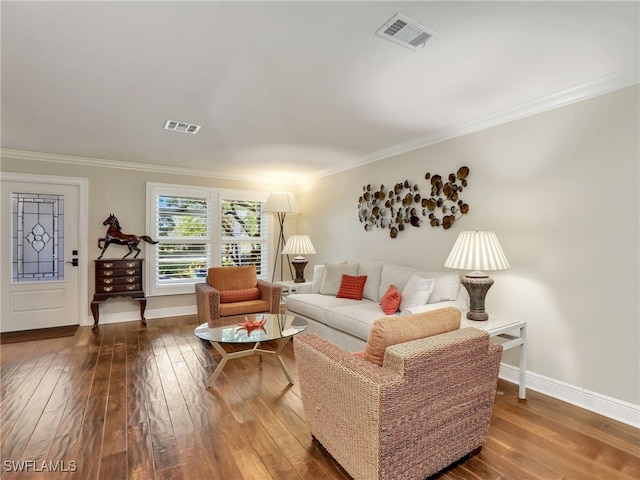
(251, 325)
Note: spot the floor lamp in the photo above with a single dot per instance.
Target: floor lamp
(281, 203)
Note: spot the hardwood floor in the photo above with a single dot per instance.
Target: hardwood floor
(130, 403)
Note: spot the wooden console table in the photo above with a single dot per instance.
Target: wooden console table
(118, 278)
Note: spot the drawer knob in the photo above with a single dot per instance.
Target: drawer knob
(131, 280)
(131, 287)
(131, 264)
(107, 280)
(130, 272)
(108, 273)
(108, 289)
(108, 265)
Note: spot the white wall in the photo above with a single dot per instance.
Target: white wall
(560, 189)
(123, 193)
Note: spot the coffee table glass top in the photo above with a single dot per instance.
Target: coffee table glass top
(228, 330)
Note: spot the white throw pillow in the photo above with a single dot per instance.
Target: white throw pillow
(373, 271)
(333, 276)
(445, 287)
(416, 292)
(318, 275)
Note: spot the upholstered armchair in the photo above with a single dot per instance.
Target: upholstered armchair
(428, 404)
(235, 291)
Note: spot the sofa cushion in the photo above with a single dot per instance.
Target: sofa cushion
(315, 305)
(429, 307)
(354, 318)
(333, 276)
(390, 301)
(373, 271)
(240, 295)
(445, 285)
(232, 278)
(241, 308)
(404, 328)
(352, 287)
(318, 275)
(417, 291)
(394, 275)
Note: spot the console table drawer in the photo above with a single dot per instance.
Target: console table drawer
(117, 280)
(118, 264)
(134, 287)
(117, 272)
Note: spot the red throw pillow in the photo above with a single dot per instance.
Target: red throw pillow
(351, 287)
(242, 295)
(390, 301)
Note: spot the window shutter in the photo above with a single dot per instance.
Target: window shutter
(243, 234)
(183, 233)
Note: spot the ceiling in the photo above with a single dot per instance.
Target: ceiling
(288, 91)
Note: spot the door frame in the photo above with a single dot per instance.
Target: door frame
(83, 232)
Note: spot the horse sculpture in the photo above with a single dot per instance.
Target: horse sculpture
(115, 235)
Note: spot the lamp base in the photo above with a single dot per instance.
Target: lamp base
(477, 286)
(299, 263)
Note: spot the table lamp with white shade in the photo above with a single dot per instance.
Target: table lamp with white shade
(479, 252)
(299, 245)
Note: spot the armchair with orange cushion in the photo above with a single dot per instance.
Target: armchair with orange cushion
(417, 399)
(235, 291)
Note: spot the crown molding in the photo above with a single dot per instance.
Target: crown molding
(103, 163)
(559, 99)
(555, 100)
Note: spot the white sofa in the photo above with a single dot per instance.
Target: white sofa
(346, 322)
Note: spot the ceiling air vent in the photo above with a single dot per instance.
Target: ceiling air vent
(181, 127)
(407, 32)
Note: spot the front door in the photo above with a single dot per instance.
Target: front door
(39, 255)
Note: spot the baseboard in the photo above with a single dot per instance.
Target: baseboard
(108, 318)
(613, 408)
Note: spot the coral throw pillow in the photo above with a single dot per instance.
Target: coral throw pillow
(242, 295)
(351, 287)
(404, 328)
(390, 301)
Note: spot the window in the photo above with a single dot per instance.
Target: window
(197, 228)
(243, 239)
(37, 237)
(182, 228)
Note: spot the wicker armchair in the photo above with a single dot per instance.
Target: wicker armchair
(235, 291)
(428, 406)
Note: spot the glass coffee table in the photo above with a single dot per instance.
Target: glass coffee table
(277, 327)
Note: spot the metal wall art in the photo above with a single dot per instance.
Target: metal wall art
(404, 205)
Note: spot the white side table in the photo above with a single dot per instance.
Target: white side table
(287, 287)
(510, 333)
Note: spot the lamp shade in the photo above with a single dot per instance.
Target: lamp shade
(477, 251)
(299, 245)
(281, 202)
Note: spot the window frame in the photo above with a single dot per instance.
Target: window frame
(215, 198)
(243, 196)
